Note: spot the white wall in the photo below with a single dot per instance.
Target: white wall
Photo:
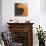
(43, 14)
(35, 17)
(43, 6)
(35, 14)
(0, 15)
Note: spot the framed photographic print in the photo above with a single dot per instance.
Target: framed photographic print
(21, 9)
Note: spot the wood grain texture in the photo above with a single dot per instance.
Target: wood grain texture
(23, 27)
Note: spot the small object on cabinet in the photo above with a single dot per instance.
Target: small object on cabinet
(27, 21)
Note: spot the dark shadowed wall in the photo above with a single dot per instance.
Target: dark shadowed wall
(0, 15)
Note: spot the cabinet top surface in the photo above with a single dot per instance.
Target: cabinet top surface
(19, 23)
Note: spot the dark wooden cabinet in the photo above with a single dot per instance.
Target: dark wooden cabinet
(22, 33)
